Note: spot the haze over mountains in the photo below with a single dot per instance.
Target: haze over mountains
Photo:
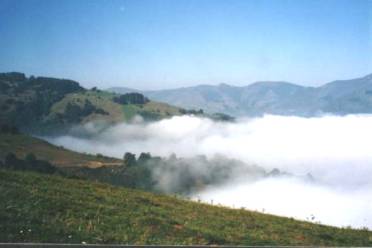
(338, 97)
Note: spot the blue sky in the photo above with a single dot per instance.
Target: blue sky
(154, 44)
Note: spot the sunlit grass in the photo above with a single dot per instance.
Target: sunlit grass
(41, 208)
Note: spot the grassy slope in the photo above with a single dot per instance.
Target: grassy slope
(117, 112)
(21, 145)
(98, 99)
(41, 208)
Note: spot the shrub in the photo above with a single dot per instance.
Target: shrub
(30, 163)
(30, 158)
(131, 98)
(129, 159)
(9, 129)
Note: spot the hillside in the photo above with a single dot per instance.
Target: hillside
(283, 98)
(21, 145)
(40, 208)
(48, 105)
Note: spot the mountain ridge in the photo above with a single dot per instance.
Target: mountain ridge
(271, 97)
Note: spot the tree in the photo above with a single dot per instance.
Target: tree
(275, 172)
(14, 130)
(144, 157)
(129, 159)
(30, 158)
(43, 167)
(9, 129)
(172, 157)
(131, 98)
(11, 161)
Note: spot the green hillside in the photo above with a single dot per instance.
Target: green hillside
(41, 208)
(108, 110)
(50, 105)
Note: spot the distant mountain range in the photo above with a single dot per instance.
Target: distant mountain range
(338, 97)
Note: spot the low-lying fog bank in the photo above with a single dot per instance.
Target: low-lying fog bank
(337, 151)
(292, 197)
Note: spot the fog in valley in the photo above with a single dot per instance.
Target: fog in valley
(327, 160)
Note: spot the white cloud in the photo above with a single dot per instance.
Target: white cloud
(292, 197)
(336, 150)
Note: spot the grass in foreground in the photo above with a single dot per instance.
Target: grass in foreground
(41, 208)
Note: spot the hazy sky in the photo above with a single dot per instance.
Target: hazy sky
(166, 43)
